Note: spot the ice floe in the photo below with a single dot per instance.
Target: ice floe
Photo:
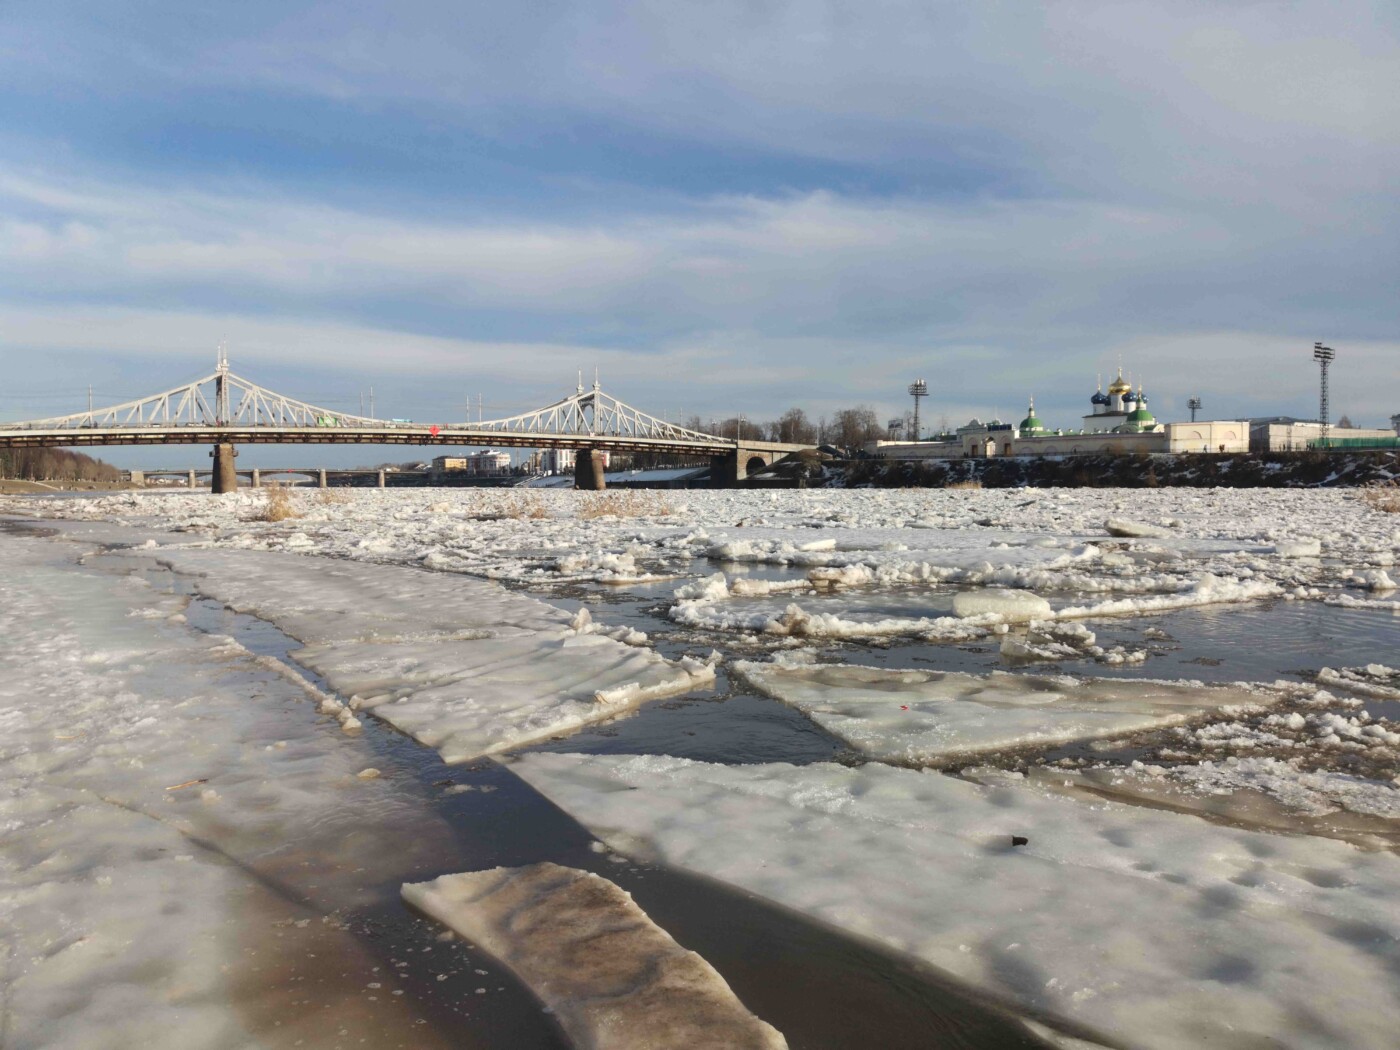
(462, 665)
(923, 717)
(1157, 928)
(612, 977)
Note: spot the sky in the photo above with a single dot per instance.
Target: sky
(735, 206)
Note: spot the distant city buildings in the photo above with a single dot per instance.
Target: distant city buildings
(489, 462)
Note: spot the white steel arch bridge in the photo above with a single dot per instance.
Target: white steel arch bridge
(224, 410)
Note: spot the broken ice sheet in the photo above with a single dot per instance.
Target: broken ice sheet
(613, 978)
(1160, 929)
(464, 666)
(922, 717)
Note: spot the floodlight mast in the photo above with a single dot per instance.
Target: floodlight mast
(1195, 406)
(1324, 356)
(918, 389)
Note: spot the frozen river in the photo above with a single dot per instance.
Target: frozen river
(969, 769)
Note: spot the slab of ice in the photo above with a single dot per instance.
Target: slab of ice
(1135, 529)
(1010, 606)
(462, 665)
(1298, 548)
(922, 717)
(1160, 929)
(613, 978)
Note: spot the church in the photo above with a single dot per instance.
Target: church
(1119, 423)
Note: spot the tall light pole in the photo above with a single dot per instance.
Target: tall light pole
(1323, 355)
(1195, 406)
(918, 389)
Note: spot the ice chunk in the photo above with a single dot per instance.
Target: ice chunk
(1011, 605)
(1201, 934)
(1134, 529)
(921, 717)
(1298, 548)
(613, 978)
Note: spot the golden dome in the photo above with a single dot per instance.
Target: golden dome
(1120, 385)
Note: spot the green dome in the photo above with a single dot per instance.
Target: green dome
(1032, 421)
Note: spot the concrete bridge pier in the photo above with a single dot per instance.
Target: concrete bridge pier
(589, 470)
(190, 481)
(257, 478)
(138, 478)
(225, 474)
(321, 477)
(732, 469)
(381, 479)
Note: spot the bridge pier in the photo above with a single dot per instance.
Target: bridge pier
(257, 478)
(225, 477)
(321, 477)
(138, 478)
(732, 469)
(381, 479)
(589, 469)
(190, 481)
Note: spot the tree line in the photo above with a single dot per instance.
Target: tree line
(54, 464)
(848, 428)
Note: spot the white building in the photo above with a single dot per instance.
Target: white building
(1119, 424)
(561, 460)
(1286, 434)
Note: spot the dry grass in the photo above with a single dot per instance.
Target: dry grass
(963, 485)
(516, 505)
(333, 497)
(278, 506)
(1383, 496)
(630, 503)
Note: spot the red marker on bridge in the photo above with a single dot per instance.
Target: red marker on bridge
(433, 430)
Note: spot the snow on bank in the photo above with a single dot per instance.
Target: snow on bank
(922, 717)
(613, 978)
(1160, 929)
(461, 665)
(154, 794)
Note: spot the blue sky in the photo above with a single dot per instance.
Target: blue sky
(725, 207)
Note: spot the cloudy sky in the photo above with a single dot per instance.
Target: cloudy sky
(724, 206)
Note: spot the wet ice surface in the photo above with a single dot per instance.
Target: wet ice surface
(1228, 587)
(615, 979)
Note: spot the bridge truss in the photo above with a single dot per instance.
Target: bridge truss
(226, 408)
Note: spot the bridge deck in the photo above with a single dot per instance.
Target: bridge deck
(389, 435)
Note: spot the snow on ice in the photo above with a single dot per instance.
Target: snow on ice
(462, 665)
(1157, 928)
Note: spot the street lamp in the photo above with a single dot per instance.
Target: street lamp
(1323, 355)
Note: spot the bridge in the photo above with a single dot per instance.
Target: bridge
(224, 410)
